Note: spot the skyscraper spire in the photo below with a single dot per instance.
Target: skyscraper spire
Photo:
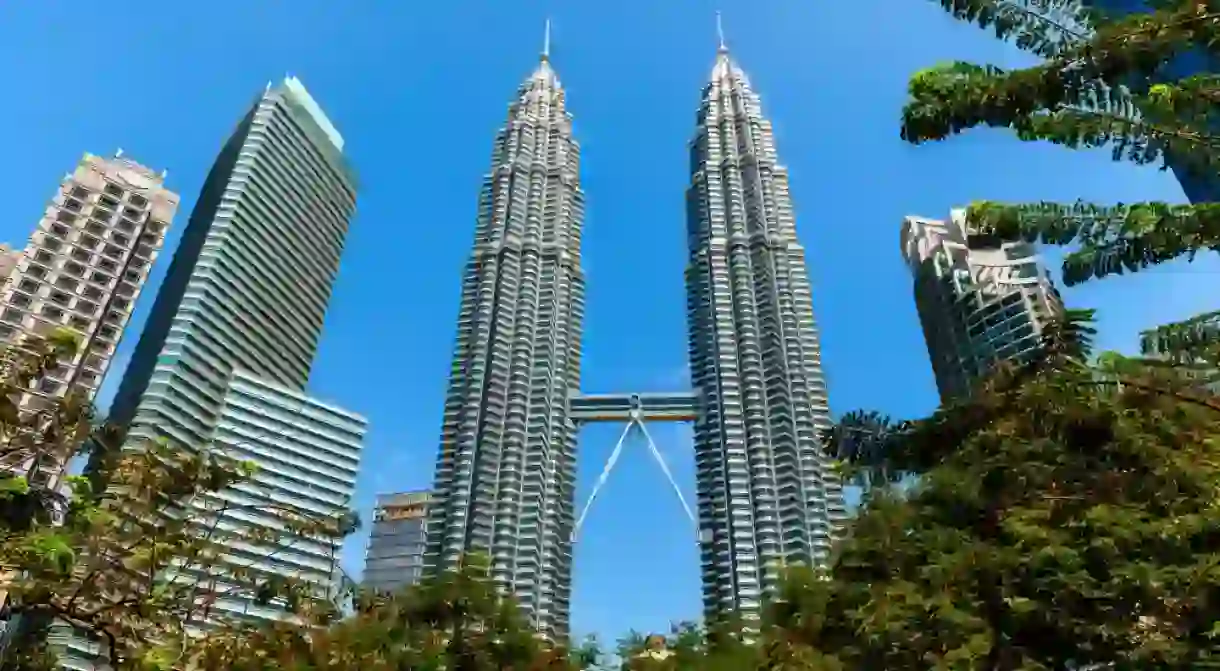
(546, 41)
(723, 48)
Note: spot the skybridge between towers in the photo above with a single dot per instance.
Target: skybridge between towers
(633, 411)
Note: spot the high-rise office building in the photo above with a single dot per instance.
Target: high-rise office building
(505, 477)
(395, 557)
(226, 354)
(979, 304)
(83, 268)
(767, 493)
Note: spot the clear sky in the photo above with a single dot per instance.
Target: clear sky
(418, 90)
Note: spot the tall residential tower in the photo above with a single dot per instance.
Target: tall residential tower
(505, 477)
(979, 303)
(767, 494)
(84, 268)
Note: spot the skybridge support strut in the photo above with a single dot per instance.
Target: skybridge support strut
(633, 410)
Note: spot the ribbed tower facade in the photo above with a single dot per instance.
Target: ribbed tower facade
(767, 494)
(505, 477)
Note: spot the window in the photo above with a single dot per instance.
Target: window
(29, 286)
(60, 298)
(113, 252)
(148, 239)
(102, 215)
(80, 192)
(48, 386)
(65, 216)
(88, 378)
(115, 318)
(36, 271)
(81, 255)
(59, 229)
(80, 324)
(96, 228)
(86, 307)
(138, 201)
(74, 205)
(137, 263)
(132, 276)
(93, 292)
(42, 256)
(13, 315)
(120, 239)
(52, 312)
(100, 278)
(7, 331)
(113, 190)
(88, 241)
(107, 264)
(107, 331)
(74, 269)
(20, 300)
(125, 225)
(52, 244)
(67, 283)
(121, 303)
(94, 362)
(131, 213)
(109, 202)
(155, 226)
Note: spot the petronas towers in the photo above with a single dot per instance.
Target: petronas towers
(505, 479)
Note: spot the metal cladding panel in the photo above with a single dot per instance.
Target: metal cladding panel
(505, 476)
(767, 494)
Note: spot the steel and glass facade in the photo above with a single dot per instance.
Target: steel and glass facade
(505, 476)
(249, 284)
(225, 357)
(978, 305)
(767, 493)
(395, 557)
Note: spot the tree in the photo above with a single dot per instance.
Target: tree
(1066, 514)
(1104, 83)
(140, 564)
(137, 555)
(457, 621)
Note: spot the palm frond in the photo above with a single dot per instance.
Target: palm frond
(1043, 27)
(1112, 239)
(1070, 335)
(1186, 341)
(1084, 96)
(865, 441)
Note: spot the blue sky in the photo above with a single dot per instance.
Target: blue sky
(418, 90)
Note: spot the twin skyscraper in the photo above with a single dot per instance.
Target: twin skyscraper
(506, 475)
(227, 351)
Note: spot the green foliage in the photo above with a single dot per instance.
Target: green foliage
(1104, 87)
(1043, 27)
(457, 620)
(1194, 340)
(1080, 522)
